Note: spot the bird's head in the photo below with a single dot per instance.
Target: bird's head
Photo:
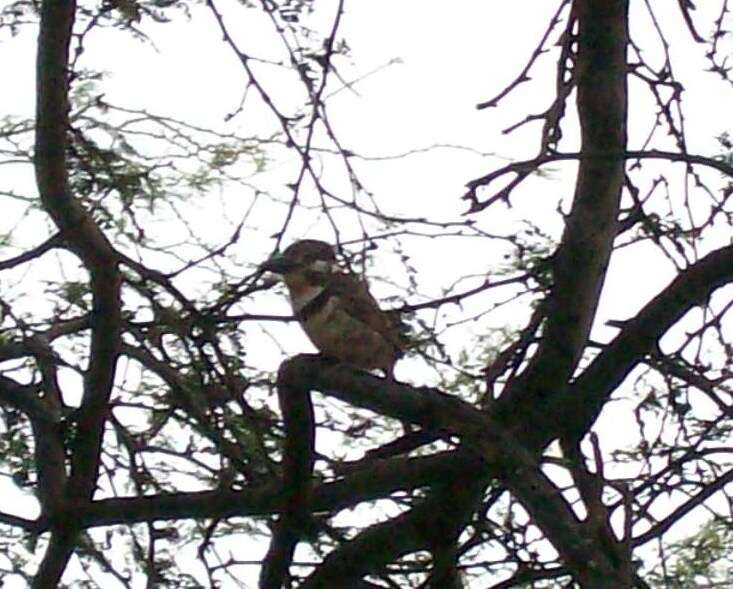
(305, 266)
(304, 262)
(302, 256)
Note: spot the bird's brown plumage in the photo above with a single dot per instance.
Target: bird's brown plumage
(336, 309)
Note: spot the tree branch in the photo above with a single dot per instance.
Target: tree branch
(297, 470)
(51, 243)
(587, 555)
(58, 552)
(579, 265)
(591, 559)
(524, 74)
(48, 441)
(580, 405)
(423, 527)
(377, 480)
(82, 236)
(523, 169)
(664, 525)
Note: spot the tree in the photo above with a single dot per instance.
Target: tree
(133, 411)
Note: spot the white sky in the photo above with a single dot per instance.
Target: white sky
(451, 56)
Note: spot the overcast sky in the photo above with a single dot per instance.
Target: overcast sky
(446, 57)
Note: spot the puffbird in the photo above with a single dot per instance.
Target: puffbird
(336, 309)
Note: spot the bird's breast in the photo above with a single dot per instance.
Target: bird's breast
(301, 297)
(340, 335)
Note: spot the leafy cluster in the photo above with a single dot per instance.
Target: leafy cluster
(155, 427)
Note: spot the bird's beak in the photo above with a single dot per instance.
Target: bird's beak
(278, 264)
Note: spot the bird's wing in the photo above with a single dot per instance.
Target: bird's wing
(360, 304)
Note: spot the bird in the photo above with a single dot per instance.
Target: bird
(335, 308)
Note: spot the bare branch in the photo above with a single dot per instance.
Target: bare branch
(675, 516)
(579, 265)
(583, 400)
(297, 467)
(52, 242)
(524, 74)
(525, 168)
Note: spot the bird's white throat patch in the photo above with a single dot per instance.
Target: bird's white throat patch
(305, 296)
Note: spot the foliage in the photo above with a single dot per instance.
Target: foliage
(156, 426)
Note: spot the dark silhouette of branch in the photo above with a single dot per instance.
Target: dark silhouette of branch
(59, 550)
(580, 262)
(429, 408)
(524, 74)
(52, 242)
(513, 354)
(194, 375)
(526, 575)
(525, 168)
(427, 525)
(507, 457)
(49, 448)
(297, 473)
(80, 233)
(85, 239)
(583, 400)
(459, 296)
(29, 525)
(710, 489)
(685, 7)
(371, 482)
(460, 498)
(23, 397)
